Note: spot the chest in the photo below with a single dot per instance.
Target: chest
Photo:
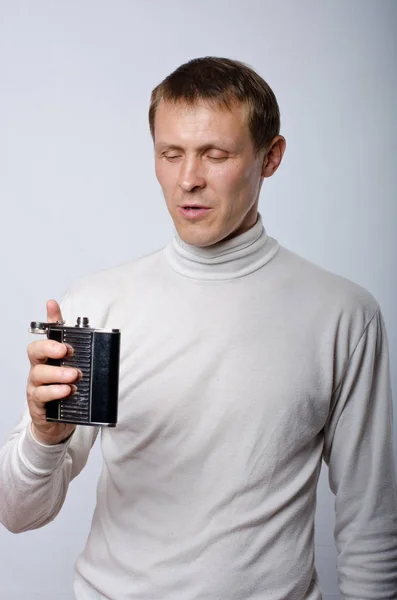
(220, 366)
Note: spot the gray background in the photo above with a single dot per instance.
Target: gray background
(78, 191)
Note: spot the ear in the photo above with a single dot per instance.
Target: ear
(273, 156)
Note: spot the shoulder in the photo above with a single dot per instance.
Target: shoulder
(325, 292)
(112, 281)
(96, 295)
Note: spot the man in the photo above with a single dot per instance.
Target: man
(242, 365)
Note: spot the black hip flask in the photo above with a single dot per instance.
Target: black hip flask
(97, 355)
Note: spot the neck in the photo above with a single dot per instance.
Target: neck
(228, 259)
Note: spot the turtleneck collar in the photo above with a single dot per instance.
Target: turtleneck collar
(229, 259)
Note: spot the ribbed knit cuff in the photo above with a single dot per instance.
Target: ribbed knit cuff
(39, 458)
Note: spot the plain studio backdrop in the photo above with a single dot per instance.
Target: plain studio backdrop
(79, 194)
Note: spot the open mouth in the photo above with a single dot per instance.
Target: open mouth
(195, 207)
(193, 211)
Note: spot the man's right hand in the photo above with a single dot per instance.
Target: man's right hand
(47, 383)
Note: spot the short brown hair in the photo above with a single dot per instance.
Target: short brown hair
(222, 81)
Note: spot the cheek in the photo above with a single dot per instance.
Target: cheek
(164, 175)
(248, 181)
(232, 179)
(159, 169)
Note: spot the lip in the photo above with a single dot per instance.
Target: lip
(194, 213)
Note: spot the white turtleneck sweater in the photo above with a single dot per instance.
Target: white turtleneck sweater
(242, 365)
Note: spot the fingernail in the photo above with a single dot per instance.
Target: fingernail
(79, 374)
(70, 350)
(73, 389)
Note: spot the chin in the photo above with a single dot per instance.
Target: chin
(195, 237)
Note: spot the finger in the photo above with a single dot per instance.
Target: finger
(53, 311)
(40, 350)
(46, 393)
(42, 374)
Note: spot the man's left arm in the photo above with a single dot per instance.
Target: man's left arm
(358, 449)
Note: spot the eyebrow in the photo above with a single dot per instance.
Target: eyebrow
(202, 148)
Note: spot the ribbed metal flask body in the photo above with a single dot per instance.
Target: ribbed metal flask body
(78, 406)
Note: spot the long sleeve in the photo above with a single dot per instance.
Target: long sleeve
(34, 478)
(359, 452)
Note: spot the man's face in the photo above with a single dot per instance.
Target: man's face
(208, 170)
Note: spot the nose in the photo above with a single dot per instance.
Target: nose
(191, 176)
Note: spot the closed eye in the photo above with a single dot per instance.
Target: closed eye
(216, 158)
(172, 157)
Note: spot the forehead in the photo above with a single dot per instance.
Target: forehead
(180, 122)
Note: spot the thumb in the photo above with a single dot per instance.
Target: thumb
(53, 311)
